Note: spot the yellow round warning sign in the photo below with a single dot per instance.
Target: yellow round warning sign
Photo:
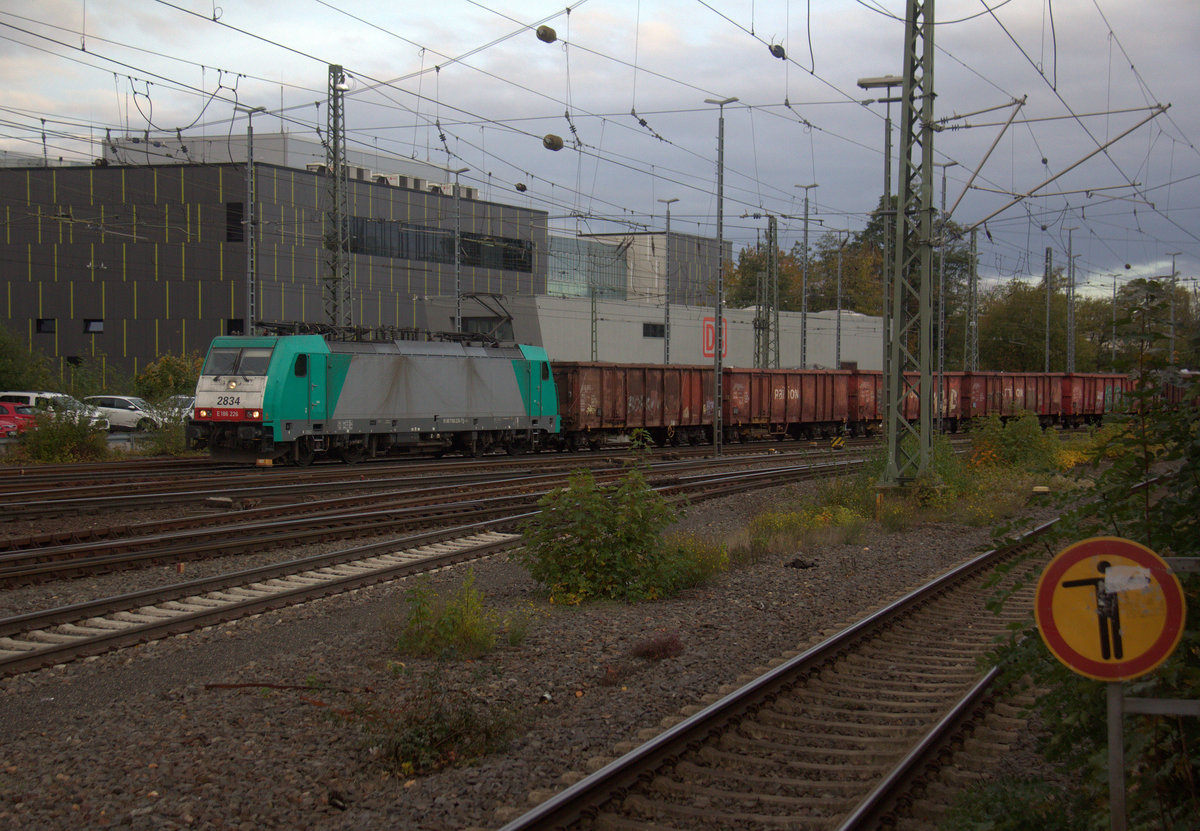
(1110, 608)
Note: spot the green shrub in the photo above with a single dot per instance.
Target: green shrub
(64, 436)
(1163, 785)
(690, 561)
(1011, 804)
(436, 729)
(457, 625)
(168, 440)
(604, 542)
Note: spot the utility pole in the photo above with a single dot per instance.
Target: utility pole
(804, 285)
(908, 322)
(337, 278)
(718, 335)
(971, 350)
(667, 269)
(1049, 266)
(1070, 300)
(889, 212)
(458, 253)
(939, 399)
(1174, 275)
(773, 269)
(251, 232)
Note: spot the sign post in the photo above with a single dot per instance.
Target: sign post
(1110, 609)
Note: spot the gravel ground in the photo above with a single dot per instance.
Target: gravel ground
(274, 722)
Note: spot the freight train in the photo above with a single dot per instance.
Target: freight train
(296, 398)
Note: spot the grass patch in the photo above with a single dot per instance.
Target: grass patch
(435, 729)
(456, 624)
(1011, 804)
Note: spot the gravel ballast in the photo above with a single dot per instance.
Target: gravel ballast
(268, 722)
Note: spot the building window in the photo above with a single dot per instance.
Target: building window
(93, 326)
(235, 229)
(47, 325)
(233, 326)
(654, 330)
(401, 240)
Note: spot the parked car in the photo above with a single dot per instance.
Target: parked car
(125, 412)
(20, 415)
(179, 406)
(55, 402)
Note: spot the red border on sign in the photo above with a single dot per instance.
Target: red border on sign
(708, 337)
(1163, 646)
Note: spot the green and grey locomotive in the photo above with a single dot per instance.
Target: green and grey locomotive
(296, 398)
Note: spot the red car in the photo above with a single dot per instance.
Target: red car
(15, 417)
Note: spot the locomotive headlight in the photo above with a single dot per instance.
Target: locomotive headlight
(231, 385)
(255, 414)
(202, 413)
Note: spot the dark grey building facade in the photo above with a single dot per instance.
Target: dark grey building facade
(118, 265)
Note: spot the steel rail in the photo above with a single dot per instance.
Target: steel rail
(198, 589)
(583, 798)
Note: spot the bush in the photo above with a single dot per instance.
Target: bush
(1019, 442)
(593, 542)
(65, 436)
(169, 439)
(458, 625)
(436, 730)
(1162, 771)
(169, 375)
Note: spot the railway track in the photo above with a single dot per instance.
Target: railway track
(836, 737)
(41, 639)
(44, 556)
(33, 492)
(54, 636)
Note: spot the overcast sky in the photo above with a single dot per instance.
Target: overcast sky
(469, 84)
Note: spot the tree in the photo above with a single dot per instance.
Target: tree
(20, 368)
(169, 375)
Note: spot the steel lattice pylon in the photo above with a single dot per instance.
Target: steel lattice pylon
(336, 289)
(908, 323)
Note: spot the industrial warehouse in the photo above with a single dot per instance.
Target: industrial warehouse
(152, 251)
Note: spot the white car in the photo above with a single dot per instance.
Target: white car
(125, 412)
(179, 406)
(56, 402)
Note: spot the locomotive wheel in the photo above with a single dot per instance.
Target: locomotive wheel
(353, 454)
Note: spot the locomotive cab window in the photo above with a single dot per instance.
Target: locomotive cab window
(248, 361)
(301, 368)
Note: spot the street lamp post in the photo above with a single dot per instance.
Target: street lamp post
(1174, 276)
(718, 340)
(886, 82)
(667, 269)
(941, 327)
(248, 219)
(804, 285)
(457, 254)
